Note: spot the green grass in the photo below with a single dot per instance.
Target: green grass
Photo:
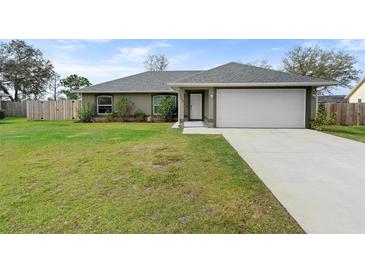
(65, 177)
(356, 133)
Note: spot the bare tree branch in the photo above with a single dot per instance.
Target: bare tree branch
(156, 63)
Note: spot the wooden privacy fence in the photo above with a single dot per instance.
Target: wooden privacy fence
(53, 110)
(17, 109)
(347, 114)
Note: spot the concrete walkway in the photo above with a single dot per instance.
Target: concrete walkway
(319, 178)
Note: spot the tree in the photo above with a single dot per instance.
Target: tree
(260, 63)
(23, 70)
(54, 84)
(167, 108)
(72, 83)
(156, 62)
(326, 64)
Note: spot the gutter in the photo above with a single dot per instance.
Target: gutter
(122, 91)
(275, 84)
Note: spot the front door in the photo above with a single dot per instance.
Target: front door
(196, 106)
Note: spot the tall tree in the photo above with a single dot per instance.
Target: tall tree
(327, 64)
(156, 62)
(54, 84)
(72, 83)
(23, 70)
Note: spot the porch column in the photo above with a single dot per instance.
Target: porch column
(211, 107)
(180, 113)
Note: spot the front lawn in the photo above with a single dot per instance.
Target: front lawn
(356, 133)
(65, 177)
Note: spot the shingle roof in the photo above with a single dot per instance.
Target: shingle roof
(332, 99)
(146, 81)
(228, 74)
(240, 73)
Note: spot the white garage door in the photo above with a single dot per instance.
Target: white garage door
(256, 108)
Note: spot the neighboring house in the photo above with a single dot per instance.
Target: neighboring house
(231, 95)
(332, 99)
(357, 94)
(1, 96)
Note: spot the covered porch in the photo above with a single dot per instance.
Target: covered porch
(196, 107)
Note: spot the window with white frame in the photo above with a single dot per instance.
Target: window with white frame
(156, 101)
(104, 104)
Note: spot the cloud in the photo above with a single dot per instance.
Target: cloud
(311, 43)
(276, 49)
(68, 45)
(137, 54)
(94, 71)
(98, 41)
(162, 45)
(122, 64)
(351, 45)
(345, 44)
(179, 59)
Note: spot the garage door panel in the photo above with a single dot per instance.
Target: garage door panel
(267, 108)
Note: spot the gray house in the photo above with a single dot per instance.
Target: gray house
(231, 95)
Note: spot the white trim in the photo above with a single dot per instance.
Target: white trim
(275, 84)
(108, 105)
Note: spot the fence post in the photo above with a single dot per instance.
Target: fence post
(357, 114)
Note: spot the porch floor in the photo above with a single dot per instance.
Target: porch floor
(191, 124)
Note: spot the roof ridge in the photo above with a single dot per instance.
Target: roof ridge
(203, 71)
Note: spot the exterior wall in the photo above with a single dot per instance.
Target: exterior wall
(142, 101)
(311, 105)
(88, 99)
(186, 105)
(358, 94)
(314, 104)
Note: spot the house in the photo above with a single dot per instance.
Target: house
(357, 94)
(2, 94)
(331, 99)
(231, 95)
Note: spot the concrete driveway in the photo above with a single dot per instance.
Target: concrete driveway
(319, 178)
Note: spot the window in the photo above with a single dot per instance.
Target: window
(157, 101)
(104, 104)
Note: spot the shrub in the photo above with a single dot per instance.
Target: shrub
(2, 114)
(86, 114)
(109, 116)
(124, 107)
(321, 119)
(167, 108)
(140, 115)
